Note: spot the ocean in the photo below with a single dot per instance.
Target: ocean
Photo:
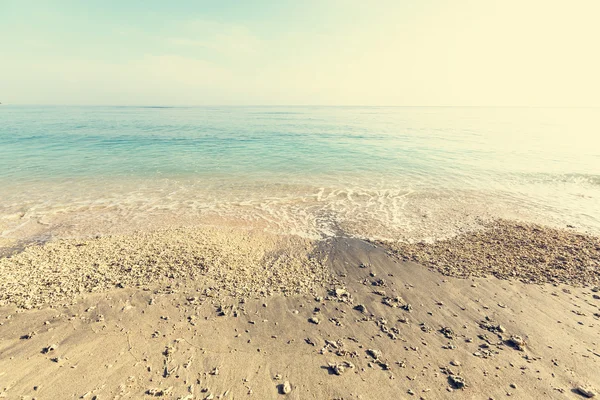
(395, 173)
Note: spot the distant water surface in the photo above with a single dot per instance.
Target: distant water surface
(378, 172)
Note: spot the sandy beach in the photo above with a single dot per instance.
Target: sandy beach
(221, 313)
(320, 200)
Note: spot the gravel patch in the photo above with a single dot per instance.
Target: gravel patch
(511, 250)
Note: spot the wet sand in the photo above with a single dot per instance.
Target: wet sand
(219, 314)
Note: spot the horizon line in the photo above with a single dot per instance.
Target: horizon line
(291, 105)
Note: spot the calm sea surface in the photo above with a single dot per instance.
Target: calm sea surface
(379, 172)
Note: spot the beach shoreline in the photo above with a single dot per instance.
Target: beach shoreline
(339, 318)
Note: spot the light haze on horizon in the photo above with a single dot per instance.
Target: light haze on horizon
(336, 52)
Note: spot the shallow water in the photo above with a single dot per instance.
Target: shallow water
(378, 172)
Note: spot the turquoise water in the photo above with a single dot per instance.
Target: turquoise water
(405, 172)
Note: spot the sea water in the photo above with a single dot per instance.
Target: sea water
(407, 173)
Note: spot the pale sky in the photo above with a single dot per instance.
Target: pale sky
(290, 52)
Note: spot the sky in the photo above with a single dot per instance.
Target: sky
(310, 52)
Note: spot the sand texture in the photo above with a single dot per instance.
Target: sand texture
(511, 250)
(368, 326)
(234, 262)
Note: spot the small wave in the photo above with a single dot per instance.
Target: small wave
(571, 178)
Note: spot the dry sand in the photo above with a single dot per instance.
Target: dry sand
(217, 314)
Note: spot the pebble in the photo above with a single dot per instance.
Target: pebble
(376, 354)
(361, 308)
(457, 381)
(586, 391)
(518, 342)
(50, 348)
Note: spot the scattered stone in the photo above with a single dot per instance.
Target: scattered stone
(376, 354)
(28, 335)
(314, 320)
(528, 252)
(285, 387)
(159, 392)
(361, 308)
(342, 295)
(586, 392)
(50, 348)
(394, 302)
(145, 259)
(457, 381)
(517, 342)
(340, 368)
(447, 332)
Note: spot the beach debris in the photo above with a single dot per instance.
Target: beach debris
(375, 354)
(285, 387)
(49, 348)
(378, 282)
(517, 342)
(340, 368)
(314, 320)
(28, 335)
(457, 381)
(490, 325)
(394, 302)
(586, 391)
(447, 332)
(159, 392)
(361, 307)
(455, 363)
(341, 295)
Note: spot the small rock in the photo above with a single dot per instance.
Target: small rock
(50, 348)
(586, 392)
(517, 342)
(314, 320)
(285, 388)
(340, 368)
(457, 381)
(376, 354)
(361, 308)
